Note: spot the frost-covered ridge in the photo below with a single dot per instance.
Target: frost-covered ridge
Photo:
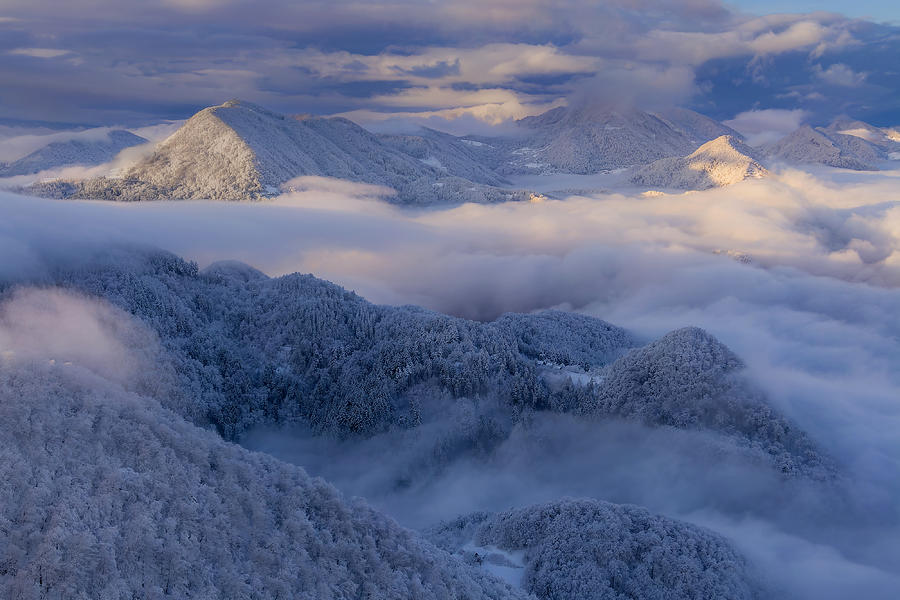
(845, 144)
(78, 151)
(240, 151)
(248, 349)
(593, 138)
(720, 162)
(593, 550)
(105, 494)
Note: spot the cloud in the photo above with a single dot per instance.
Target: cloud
(767, 125)
(39, 52)
(16, 146)
(636, 85)
(62, 328)
(166, 60)
(840, 74)
(759, 37)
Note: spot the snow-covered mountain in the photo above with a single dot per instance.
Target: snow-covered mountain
(590, 138)
(240, 151)
(697, 127)
(106, 494)
(81, 150)
(595, 550)
(125, 372)
(448, 153)
(249, 349)
(723, 161)
(886, 138)
(844, 144)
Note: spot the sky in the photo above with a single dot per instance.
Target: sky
(876, 10)
(461, 66)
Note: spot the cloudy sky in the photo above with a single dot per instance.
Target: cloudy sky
(466, 63)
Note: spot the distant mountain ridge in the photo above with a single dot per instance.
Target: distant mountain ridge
(241, 151)
(594, 138)
(238, 151)
(77, 151)
(844, 144)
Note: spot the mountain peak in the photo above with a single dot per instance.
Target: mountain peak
(241, 151)
(723, 161)
(724, 147)
(834, 146)
(590, 138)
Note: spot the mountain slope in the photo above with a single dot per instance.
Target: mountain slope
(248, 350)
(807, 145)
(698, 128)
(590, 138)
(78, 151)
(886, 139)
(105, 494)
(593, 550)
(240, 151)
(720, 162)
(689, 380)
(447, 153)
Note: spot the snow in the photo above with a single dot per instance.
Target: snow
(106, 494)
(86, 149)
(720, 162)
(239, 151)
(843, 144)
(863, 133)
(434, 162)
(595, 550)
(589, 139)
(508, 566)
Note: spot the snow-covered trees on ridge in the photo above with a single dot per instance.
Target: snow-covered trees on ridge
(593, 550)
(117, 370)
(105, 494)
(248, 349)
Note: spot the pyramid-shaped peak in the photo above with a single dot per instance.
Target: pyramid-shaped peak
(238, 103)
(724, 146)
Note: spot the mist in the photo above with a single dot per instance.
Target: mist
(798, 274)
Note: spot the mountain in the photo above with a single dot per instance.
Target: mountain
(844, 145)
(689, 380)
(106, 494)
(720, 162)
(126, 372)
(240, 151)
(449, 154)
(248, 350)
(592, 138)
(82, 150)
(885, 138)
(594, 550)
(697, 127)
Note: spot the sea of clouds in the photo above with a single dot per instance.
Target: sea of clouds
(798, 274)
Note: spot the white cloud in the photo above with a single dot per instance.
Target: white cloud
(767, 125)
(840, 74)
(759, 37)
(40, 52)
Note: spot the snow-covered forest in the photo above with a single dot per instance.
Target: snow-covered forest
(457, 300)
(148, 368)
